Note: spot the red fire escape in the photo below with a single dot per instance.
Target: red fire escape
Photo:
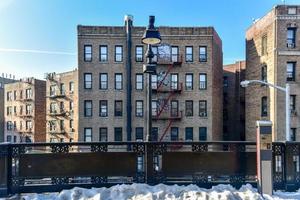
(165, 92)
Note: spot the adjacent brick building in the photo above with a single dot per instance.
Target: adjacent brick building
(25, 111)
(234, 101)
(3, 81)
(62, 106)
(273, 55)
(187, 90)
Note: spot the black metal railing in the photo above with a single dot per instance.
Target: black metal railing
(48, 167)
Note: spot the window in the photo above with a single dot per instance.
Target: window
(139, 133)
(28, 125)
(15, 95)
(188, 54)
(8, 110)
(154, 108)
(71, 87)
(118, 108)
(291, 38)
(139, 53)
(189, 81)
(139, 81)
(293, 134)
(87, 53)
(9, 125)
(62, 89)
(264, 106)
(203, 54)
(202, 108)
(189, 133)
(103, 134)
(174, 134)
(88, 133)
(290, 71)
(174, 81)
(28, 93)
(264, 45)
(88, 81)
(225, 81)
(292, 103)
(118, 134)
(71, 105)
(154, 135)
(202, 82)
(8, 138)
(292, 11)
(174, 108)
(154, 81)
(9, 96)
(71, 122)
(103, 108)
(29, 109)
(174, 54)
(118, 81)
(62, 124)
(202, 133)
(118, 53)
(103, 81)
(188, 108)
(52, 125)
(21, 94)
(155, 53)
(52, 90)
(88, 108)
(103, 53)
(264, 73)
(139, 108)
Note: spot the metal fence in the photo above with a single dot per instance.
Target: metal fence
(47, 167)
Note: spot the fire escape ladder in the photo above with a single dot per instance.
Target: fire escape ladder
(166, 130)
(164, 105)
(161, 82)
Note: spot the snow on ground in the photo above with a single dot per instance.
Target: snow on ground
(160, 192)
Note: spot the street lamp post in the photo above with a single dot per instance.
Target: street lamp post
(150, 37)
(287, 101)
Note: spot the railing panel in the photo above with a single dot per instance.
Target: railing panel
(78, 164)
(3, 169)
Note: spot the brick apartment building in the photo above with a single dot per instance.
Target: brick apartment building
(3, 80)
(25, 111)
(234, 101)
(273, 55)
(187, 90)
(62, 106)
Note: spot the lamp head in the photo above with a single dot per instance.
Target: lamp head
(245, 83)
(151, 35)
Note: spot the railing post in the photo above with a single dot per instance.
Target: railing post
(4, 169)
(149, 163)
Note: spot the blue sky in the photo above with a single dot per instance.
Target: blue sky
(38, 36)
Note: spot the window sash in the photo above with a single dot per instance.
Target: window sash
(118, 81)
(88, 108)
(290, 71)
(174, 108)
(139, 109)
(203, 108)
(118, 108)
(154, 108)
(139, 81)
(202, 54)
(189, 133)
(264, 106)
(139, 53)
(88, 134)
(118, 135)
(103, 53)
(103, 134)
(103, 81)
(154, 81)
(189, 81)
(118, 53)
(202, 81)
(139, 133)
(189, 54)
(174, 134)
(88, 53)
(189, 108)
(103, 108)
(202, 133)
(174, 54)
(87, 81)
(174, 81)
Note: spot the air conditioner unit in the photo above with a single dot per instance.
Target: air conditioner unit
(291, 45)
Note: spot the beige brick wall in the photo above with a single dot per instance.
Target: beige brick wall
(274, 24)
(175, 36)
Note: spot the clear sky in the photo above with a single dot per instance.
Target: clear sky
(38, 36)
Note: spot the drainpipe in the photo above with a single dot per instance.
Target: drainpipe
(128, 25)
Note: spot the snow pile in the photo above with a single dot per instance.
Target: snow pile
(160, 192)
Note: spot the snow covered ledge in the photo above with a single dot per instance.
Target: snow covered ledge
(161, 191)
